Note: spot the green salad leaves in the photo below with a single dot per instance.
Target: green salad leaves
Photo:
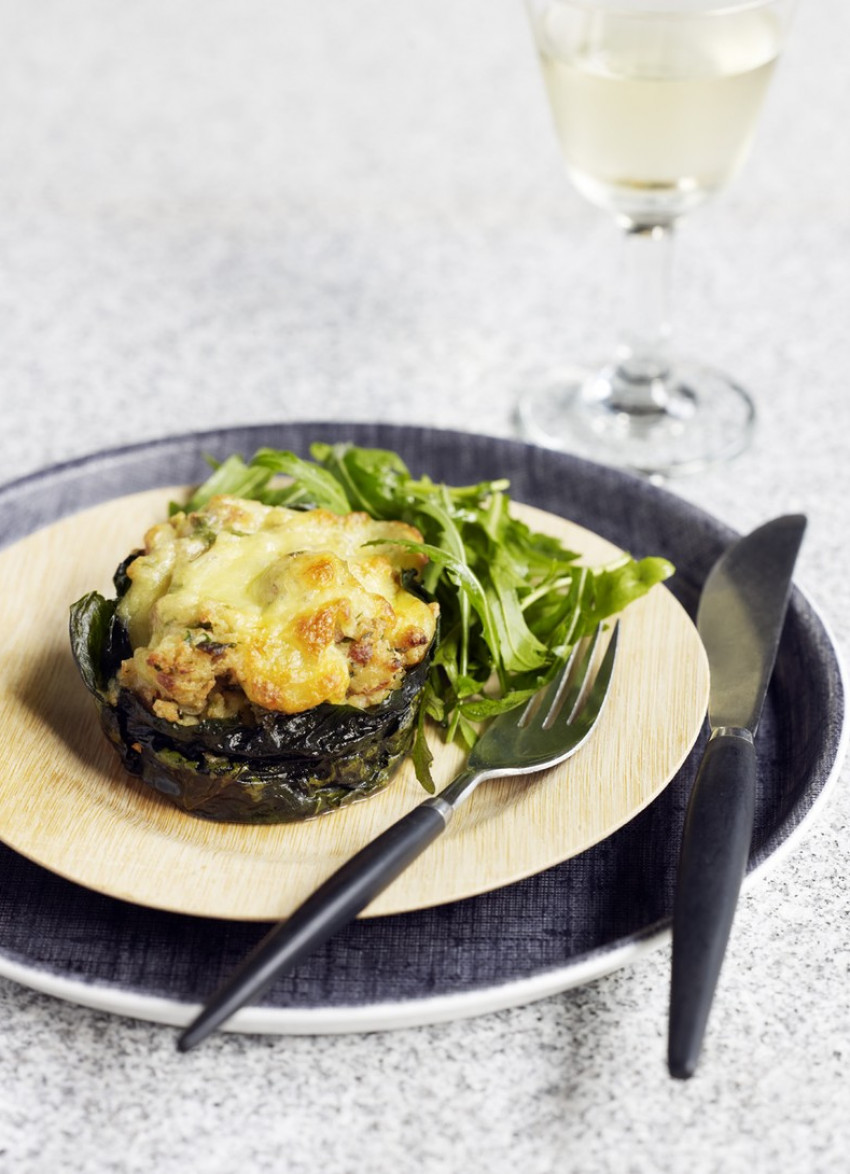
(512, 601)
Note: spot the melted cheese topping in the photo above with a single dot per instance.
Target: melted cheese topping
(285, 608)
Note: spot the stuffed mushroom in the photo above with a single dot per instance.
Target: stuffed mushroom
(261, 663)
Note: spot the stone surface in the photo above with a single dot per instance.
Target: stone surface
(230, 213)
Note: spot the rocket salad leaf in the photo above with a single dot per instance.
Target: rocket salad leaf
(512, 601)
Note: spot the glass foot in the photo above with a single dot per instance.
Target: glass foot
(694, 418)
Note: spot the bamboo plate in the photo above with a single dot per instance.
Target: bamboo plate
(69, 806)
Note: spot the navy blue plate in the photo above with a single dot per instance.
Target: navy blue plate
(559, 928)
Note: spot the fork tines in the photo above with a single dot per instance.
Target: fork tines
(566, 692)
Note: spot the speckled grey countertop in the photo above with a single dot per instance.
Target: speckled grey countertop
(222, 212)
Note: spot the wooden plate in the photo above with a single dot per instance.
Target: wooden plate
(67, 804)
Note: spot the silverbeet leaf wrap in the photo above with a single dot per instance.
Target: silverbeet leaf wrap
(281, 768)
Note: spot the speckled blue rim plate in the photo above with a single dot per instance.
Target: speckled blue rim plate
(557, 929)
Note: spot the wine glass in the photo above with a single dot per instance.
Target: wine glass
(655, 104)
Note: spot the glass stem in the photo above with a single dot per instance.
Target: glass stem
(642, 365)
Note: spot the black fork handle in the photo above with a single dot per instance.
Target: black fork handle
(337, 902)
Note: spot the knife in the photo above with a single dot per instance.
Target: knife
(740, 618)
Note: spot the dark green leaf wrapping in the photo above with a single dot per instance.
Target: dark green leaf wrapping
(284, 767)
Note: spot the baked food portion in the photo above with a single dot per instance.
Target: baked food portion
(261, 663)
(242, 602)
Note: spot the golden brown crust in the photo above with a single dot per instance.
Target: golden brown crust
(281, 607)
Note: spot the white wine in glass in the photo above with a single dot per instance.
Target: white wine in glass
(655, 104)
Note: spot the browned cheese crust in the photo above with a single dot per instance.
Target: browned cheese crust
(246, 603)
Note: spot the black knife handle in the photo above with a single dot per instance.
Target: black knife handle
(332, 906)
(715, 848)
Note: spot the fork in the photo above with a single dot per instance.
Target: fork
(541, 737)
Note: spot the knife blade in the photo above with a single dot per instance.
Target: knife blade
(740, 619)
